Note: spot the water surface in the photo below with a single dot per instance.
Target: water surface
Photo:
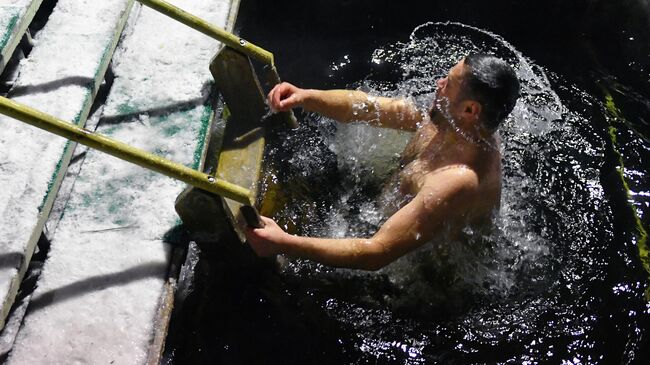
(559, 279)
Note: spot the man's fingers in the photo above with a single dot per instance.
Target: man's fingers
(287, 103)
(267, 220)
(283, 97)
(270, 98)
(274, 95)
(278, 91)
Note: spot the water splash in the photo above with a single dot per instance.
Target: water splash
(529, 272)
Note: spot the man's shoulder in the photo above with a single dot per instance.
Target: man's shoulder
(452, 192)
(456, 176)
(450, 184)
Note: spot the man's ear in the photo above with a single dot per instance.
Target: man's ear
(472, 109)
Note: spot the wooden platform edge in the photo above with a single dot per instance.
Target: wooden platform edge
(165, 309)
(59, 173)
(17, 33)
(161, 323)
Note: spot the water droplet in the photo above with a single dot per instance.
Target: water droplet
(242, 42)
(211, 179)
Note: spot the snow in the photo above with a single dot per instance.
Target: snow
(56, 79)
(10, 12)
(100, 287)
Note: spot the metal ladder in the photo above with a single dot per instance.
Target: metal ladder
(195, 178)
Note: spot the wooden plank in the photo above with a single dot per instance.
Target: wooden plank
(34, 162)
(106, 277)
(164, 314)
(15, 17)
(161, 323)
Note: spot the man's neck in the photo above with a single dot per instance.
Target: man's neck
(450, 131)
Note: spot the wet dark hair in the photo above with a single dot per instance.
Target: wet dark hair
(493, 83)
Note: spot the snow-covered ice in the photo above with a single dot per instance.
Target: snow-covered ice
(100, 287)
(15, 15)
(56, 78)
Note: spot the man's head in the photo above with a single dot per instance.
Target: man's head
(480, 88)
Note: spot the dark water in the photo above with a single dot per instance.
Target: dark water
(558, 281)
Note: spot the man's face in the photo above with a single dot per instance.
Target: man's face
(448, 90)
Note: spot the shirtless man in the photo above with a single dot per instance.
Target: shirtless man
(451, 166)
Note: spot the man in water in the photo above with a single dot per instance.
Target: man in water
(451, 167)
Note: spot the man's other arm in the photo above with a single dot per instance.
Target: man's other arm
(445, 197)
(347, 106)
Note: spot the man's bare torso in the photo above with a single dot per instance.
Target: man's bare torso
(428, 152)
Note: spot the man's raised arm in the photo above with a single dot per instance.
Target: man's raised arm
(442, 199)
(347, 106)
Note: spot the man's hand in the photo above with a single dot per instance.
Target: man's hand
(285, 96)
(266, 241)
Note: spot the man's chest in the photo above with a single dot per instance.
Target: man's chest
(419, 145)
(418, 159)
(425, 154)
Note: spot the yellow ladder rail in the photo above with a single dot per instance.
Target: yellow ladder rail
(124, 151)
(230, 40)
(210, 30)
